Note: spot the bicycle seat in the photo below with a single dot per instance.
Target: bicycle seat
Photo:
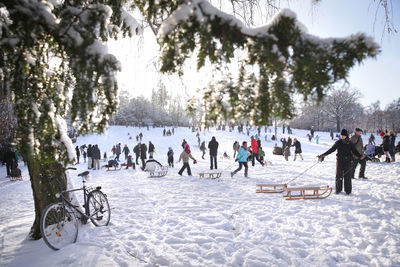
(86, 173)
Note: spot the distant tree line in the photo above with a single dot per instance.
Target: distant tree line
(160, 110)
(341, 109)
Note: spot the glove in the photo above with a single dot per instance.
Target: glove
(194, 161)
(320, 158)
(236, 160)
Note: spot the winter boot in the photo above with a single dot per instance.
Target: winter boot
(393, 159)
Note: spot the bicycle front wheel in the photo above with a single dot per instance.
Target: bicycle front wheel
(99, 209)
(59, 226)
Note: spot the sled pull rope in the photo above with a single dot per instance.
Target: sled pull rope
(309, 168)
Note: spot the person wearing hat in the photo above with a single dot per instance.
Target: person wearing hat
(356, 139)
(344, 159)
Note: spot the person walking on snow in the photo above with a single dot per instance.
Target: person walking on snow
(143, 154)
(151, 149)
(78, 153)
(170, 155)
(126, 151)
(345, 151)
(242, 159)
(235, 148)
(213, 147)
(392, 146)
(297, 149)
(203, 148)
(185, 155)
(118, 151)
(136, 150)
(356, 139)
(254, 150)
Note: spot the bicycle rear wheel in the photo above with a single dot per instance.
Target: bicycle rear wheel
(59, 226)
(99, 209)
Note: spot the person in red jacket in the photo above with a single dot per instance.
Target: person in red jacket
(254, 150)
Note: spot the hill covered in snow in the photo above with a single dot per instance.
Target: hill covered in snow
(188, 221)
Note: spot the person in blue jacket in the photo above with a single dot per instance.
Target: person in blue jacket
(242, 159)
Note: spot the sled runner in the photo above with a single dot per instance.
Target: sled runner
(16, 174)
(112, 165)
(159, 171)
(271, 188)
(308, 192)
(210, 175)
(113, 168)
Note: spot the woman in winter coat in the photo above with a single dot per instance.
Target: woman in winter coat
(344, 161)
(297, 149)
(185, 155)
(242, 159)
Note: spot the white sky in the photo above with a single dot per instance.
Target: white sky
(377, 79)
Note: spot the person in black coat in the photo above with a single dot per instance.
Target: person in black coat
(344, 161)
(386, 146)
(151, 149)
(136, 150)
(10, 160)
(143, 151)
(213, 147)
(297, 150)
(78, 153)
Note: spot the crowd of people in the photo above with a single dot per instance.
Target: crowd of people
(351, 153)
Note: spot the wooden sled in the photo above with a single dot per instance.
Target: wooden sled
(15, 178)
(112, 168)
(210, 175)
(271, 188)
(160, 171)
(308, 192)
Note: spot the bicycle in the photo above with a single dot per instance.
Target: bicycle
(59, 222)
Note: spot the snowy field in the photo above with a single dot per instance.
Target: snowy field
(187, 221)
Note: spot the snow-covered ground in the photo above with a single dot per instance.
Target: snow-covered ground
(187, 221)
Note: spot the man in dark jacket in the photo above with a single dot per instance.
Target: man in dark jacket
(10, 160)
(356, 139)
(126, 151)
(151, 149)
(143, 152)
(213, 147)
(89, 156)
(136, 150)
(96, 157)
(344, 158)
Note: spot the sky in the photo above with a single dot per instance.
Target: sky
(377, 79)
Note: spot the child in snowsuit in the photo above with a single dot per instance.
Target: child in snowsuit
(185, 155)
(242, 159)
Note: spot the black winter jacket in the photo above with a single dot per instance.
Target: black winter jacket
(297, 145)
(213, 146)
(386, 142)
(345, 150)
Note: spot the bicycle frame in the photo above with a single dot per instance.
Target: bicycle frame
(86, 192)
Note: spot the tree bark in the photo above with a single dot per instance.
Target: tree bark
(44, 189)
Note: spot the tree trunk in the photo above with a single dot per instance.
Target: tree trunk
(44, 190)
(338, 124)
